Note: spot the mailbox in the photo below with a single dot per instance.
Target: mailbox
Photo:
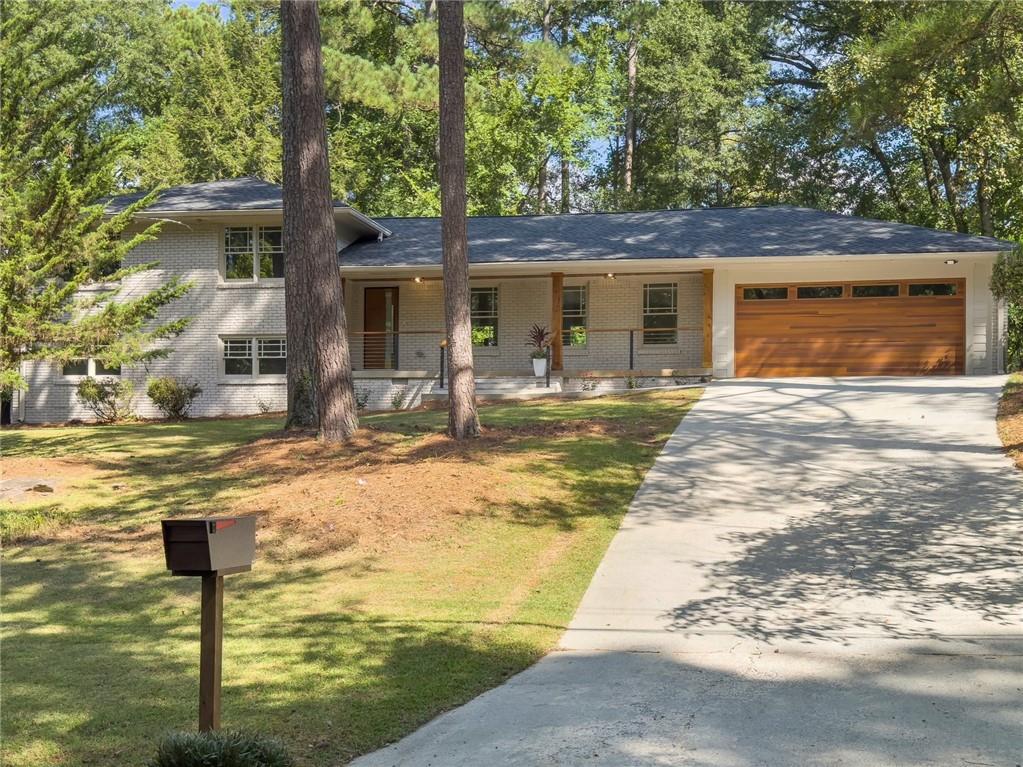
(211, 546)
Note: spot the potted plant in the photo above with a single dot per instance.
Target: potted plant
(539, 339)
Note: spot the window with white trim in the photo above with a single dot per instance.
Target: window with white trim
(238, 357)
(271, 252)
(271, 356)
(256, 356)
(573, 315)
(483, 316)
(253, 253)
(660, 313)
(89, 367)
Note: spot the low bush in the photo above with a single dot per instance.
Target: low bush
(361, 398)
(172, 396)
(220, 749)
(109, 399)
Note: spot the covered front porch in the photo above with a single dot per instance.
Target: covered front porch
(651, 323)
(609, 331)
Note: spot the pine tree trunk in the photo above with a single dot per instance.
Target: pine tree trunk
(320, 389)
(541, 186)
(630, 111)
(987, 225)
(889, 176)
(463, 420)
(541, 176)
(932, 189)
(566, 186)
(949, 185)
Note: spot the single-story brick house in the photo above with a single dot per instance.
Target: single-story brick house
(651, 296)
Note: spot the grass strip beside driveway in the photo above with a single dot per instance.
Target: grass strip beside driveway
(396, 577)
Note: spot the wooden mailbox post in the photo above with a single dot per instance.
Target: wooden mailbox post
(210, 548)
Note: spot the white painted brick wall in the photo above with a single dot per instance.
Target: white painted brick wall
(218, 309)
(522, 302)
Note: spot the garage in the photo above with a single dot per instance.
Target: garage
(893, 327)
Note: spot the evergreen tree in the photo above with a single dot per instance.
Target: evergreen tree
(75, 77)
(220, 117)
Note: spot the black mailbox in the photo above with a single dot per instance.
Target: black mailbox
(212, 546)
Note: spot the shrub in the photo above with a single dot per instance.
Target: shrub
(1014, 337)
(108, 398)
(220, 749)
(398, 399)
(1007, 283)
(361, 398)
(172, 396)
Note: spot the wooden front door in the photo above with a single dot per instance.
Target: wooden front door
(886, 327)
(380, 323)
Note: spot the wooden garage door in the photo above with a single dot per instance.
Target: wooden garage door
(908, 327)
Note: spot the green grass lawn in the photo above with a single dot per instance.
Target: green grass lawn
(338, 651)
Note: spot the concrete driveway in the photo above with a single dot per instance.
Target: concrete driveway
(815, 572)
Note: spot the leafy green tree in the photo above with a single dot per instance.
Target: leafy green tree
(697, 65)
(75, 78)
(1007, 284)
(221, 115)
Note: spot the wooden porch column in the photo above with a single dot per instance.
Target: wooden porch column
(708, 318)
(557, 283)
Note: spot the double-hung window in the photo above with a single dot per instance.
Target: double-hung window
(660, 313)
(483, 316)
(247, 357)
(238, 356)
(272, 356)
(573, 315)
(89, 367)
(271, 252)
(253, 253)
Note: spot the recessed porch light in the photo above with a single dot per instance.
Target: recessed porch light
(610, 275)
(951, 261)
(417, 279)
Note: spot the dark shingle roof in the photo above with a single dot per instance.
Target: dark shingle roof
(702, 233)
(246, 193)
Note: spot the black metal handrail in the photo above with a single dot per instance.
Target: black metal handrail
(632, 336)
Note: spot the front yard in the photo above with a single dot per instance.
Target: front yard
(395, 578)
(1010, 418)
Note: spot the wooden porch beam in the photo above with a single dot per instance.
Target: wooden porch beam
(708, 318)
(557, 285)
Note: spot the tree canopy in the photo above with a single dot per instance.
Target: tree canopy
(906, 111)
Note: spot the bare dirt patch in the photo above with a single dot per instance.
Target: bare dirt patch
(385, 487)
(1010, 419)
(23, 479)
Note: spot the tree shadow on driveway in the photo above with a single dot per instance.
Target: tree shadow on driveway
(941, 539)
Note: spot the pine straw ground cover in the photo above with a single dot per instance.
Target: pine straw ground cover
(396, 577)
(1010, 418)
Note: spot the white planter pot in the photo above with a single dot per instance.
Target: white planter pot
(539, 367)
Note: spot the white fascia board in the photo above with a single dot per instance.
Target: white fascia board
(653, 264)
(183, 217)
(365, 220)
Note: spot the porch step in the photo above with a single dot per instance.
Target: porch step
(524, 383)
(524, 387)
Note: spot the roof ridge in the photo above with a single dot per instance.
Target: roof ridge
(603, 212)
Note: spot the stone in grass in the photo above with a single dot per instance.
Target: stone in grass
(40, 488)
